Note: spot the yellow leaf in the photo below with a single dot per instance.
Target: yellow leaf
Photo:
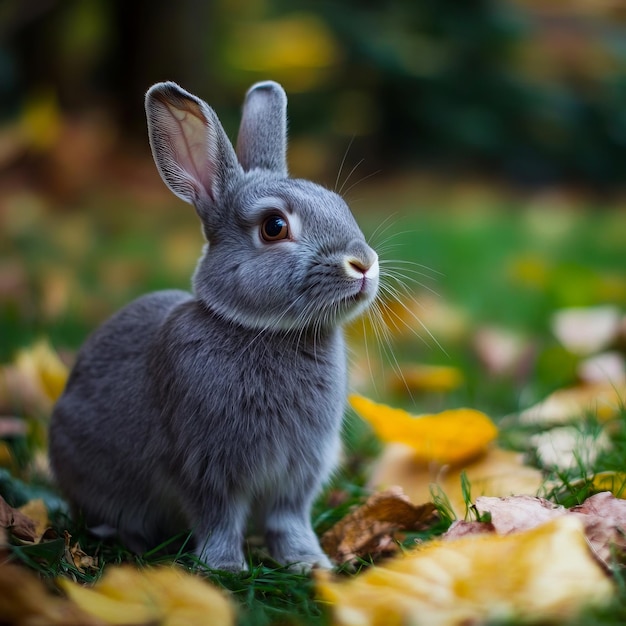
(25, 601)
(43, 364)
(615, 482)
(495, 473)
(165, 595)
(552, 576)
(422, 377)
(36, 510)
(452, 436)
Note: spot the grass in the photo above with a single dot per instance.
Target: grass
(502, 261)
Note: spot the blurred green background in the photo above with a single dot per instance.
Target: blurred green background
(483, 140)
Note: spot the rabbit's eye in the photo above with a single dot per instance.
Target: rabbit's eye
(274, 228)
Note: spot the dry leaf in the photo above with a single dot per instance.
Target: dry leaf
(165, 595)
(77, 556)
(461, 528)
(36, 511)
(587, 330)
(603, 517)
(566, 447)
(449, 437)
(369, 529)
(12, 427)
(608, 367)
(604, 400)
(19, 524)
(25, 601)
(434, 378)
(518, 513)
(450, 583)
(615, 482)
(496, 473)
(500, 350)
(43, 365)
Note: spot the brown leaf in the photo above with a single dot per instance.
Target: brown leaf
(461, 528)
(17, 523)
(605, 523)
(76, 555)
(369, 529)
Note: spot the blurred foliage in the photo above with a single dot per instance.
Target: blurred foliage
(535, 91)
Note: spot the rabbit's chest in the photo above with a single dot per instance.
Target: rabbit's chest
(287, 415)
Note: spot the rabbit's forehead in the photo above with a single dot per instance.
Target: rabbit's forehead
(307, 200)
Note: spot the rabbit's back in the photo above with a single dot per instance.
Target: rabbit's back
(107, 410)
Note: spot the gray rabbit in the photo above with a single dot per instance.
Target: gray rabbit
(204, 411)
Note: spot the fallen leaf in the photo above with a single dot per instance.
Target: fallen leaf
(43, 364)
(603, 400)
(584, 331)
(424, 378)
(497, 473)
(462, 528)
(605, 524)
(608, 367)
(603, 516)
(452, 436)
(369, 529)
(17, 523)
(25, 601)
(164, 595)
(615, 482)
(463, 581)
(75, 555)
(518, 513)
(500, 350)
(12, 427)
(566, 447)
(36, 511)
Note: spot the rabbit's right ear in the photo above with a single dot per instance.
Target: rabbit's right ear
(190, 148)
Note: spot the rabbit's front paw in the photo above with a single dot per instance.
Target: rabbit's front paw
(304, 563)
(228, 561)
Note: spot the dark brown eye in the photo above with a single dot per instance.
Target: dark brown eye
(274, 228)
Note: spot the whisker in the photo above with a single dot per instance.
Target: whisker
(345, 182)
(358, 182)
(343, 162)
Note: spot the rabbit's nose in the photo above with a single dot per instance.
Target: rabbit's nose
(364, 265)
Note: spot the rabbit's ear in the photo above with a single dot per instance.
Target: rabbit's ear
(262, 140)
(189, 145)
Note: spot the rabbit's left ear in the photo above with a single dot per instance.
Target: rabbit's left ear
(190, 148)
(262, 140)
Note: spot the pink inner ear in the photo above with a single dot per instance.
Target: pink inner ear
(189, 148)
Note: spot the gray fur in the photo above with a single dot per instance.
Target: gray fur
(203, 411)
